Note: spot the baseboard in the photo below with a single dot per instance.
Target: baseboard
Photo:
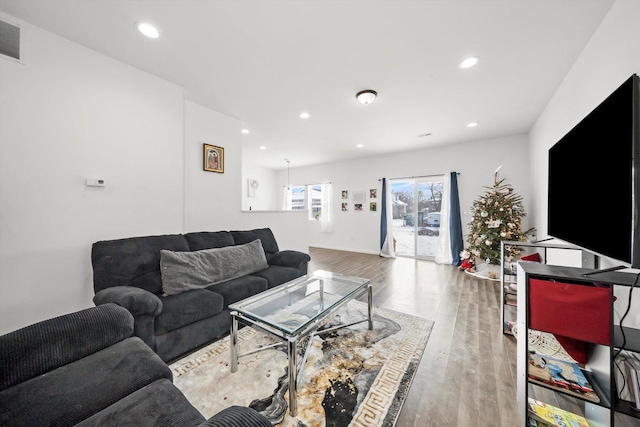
(345, 250)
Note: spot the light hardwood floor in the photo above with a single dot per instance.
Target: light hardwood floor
(467, 375)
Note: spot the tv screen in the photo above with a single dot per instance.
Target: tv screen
(593, 191)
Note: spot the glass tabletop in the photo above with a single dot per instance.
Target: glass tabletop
(294, 305)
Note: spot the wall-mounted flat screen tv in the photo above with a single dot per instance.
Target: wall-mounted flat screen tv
(594, 191)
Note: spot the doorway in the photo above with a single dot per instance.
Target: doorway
(416, 209)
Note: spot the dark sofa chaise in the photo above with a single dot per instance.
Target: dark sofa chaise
(87, 369)
(127, 272)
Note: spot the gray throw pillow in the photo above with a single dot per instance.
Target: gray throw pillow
(184, 271)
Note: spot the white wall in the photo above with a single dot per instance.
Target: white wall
(609, 58)
(67, 113)
(360, 231)
(212, 199)
(266, 197)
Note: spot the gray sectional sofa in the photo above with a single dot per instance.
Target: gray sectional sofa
(136, 272)
(87, 369)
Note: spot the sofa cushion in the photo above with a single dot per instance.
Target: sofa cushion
(209, 240)
(265, 235)
(75, 391)
(277, 275)
(133, 261)
(186, 308)
(184, 271)
(174, 344)
(243, 287)
(156, 405)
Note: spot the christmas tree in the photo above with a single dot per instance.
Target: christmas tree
(497, 216)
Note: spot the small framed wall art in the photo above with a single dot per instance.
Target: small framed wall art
(213, 158)
(359, 196)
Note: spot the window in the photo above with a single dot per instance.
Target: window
(298, 202)
(306, 197)
(315, 194)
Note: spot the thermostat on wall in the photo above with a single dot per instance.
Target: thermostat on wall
(94, 182)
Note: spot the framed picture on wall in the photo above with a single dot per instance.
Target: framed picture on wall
(213, 158)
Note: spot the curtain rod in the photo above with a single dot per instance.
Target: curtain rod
(420, 176)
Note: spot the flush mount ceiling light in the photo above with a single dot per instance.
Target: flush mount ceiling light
(148, 30)
(472, 125)
(304, 115)
(245, 131)
(469, 62)
(366, 96)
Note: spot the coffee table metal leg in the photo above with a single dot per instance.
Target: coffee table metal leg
(234, 342)
(370, 305)
(293, 377)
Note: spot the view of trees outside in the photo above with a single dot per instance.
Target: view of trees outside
(416, 216)
(429, 196)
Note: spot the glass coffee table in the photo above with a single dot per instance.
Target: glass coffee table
(294, 311)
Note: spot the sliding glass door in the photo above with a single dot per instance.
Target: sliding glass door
(416, 215)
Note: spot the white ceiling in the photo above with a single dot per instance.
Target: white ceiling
(265, 62)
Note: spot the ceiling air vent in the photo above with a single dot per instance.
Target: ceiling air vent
(9, 40)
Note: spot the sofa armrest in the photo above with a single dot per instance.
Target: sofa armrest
(138, 301)
(50, 344)
(142, 304)
(237, 416)
(289, 259)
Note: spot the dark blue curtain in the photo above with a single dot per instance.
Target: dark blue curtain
(455, 221)
(383, 217)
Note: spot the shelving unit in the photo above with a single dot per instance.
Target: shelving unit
(603, 340)
(508, 277)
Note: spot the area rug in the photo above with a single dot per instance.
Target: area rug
(352, 376)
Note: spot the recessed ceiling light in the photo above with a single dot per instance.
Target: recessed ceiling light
(245, 131)
(359, 145)
(148, 30)
(304, 115)
(469, 62)
(472, 125)
(263, 147)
